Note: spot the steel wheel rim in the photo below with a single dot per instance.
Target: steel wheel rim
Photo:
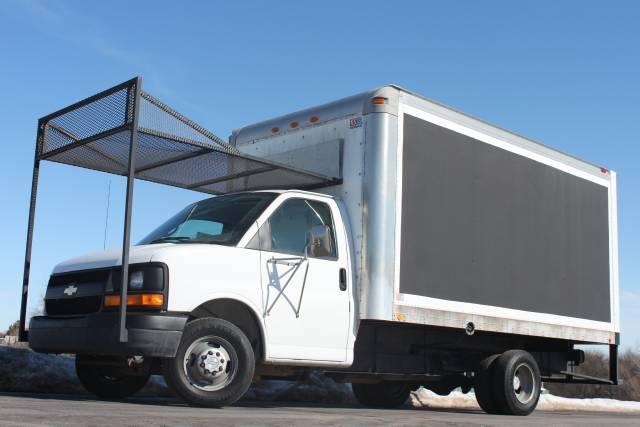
(524, 383)
(210, 363)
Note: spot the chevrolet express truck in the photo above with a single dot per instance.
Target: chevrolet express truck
(384, 239)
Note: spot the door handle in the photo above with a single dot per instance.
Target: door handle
(343, 279)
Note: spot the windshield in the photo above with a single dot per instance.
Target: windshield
(222, 220)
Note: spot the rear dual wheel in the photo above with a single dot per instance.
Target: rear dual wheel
(508, 384)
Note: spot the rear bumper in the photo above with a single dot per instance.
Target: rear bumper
(150, 334)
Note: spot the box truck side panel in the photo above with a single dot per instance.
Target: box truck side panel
(483, 225)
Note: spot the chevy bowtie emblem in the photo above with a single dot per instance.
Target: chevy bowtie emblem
(71, 289)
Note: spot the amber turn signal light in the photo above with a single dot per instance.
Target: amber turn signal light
(137, 300)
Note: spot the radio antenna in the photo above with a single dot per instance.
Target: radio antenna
(106, 219)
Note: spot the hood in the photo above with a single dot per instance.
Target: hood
(112, 258)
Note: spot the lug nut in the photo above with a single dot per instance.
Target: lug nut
(206, 371)
(210, 353)
(203, 357)
(202, 365)
(220, 369)
(218, 354)
(221, 360)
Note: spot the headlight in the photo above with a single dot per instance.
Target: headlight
(142, 277)
(136, 280)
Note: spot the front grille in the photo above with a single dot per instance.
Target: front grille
(71, 306)
(79, 277)
(89, 284)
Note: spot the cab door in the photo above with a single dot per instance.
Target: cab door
(306, 304)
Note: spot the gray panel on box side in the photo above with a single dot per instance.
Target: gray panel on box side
(486, 226)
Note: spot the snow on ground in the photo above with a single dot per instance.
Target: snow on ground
(549, 402)
(314, 388)
(424, 398)
(23, 370)
(27, 371)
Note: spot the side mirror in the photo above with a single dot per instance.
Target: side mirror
(319, 242)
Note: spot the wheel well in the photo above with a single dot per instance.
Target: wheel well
(237, 313)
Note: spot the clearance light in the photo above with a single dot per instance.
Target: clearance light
(313, 119)
(379, 100)
(275, 130)
(138, 300)
(293, 125)
(604, 170)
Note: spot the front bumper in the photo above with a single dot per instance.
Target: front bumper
(150, 334)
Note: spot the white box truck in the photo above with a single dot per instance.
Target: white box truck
(385, 239)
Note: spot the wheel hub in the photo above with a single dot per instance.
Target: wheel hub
(214, 362)
(524, 383)
(210, 363)
(516, 383)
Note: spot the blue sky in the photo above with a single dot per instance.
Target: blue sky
(563, 73)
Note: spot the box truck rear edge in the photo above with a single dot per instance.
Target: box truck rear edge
(434, 250)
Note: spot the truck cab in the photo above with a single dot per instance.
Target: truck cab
(269, 268)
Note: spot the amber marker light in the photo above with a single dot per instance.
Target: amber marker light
(293, 125)
(137, 300)
(313, 119)
(379, 100)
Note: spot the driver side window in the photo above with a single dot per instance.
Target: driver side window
(291, 224)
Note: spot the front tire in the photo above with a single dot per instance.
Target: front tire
(516, 383)
(108, 382)
(382, 395)
(214, 364)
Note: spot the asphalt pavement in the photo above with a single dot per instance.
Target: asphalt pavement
(58, 410)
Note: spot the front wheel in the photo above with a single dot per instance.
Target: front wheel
(382, 395)
(214, 365)
(109, 382)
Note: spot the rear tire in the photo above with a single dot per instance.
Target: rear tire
(516, 383)
(108, 382)
(214, 364)
(382, 395)
(482, 385)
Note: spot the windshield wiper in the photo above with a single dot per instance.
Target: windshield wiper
(207, 241)
(169, 239)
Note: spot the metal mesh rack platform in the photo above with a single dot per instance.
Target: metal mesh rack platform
(170, 149)
(126, 131)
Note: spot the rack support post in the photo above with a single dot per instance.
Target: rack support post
(126, 239)
(22, 331)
